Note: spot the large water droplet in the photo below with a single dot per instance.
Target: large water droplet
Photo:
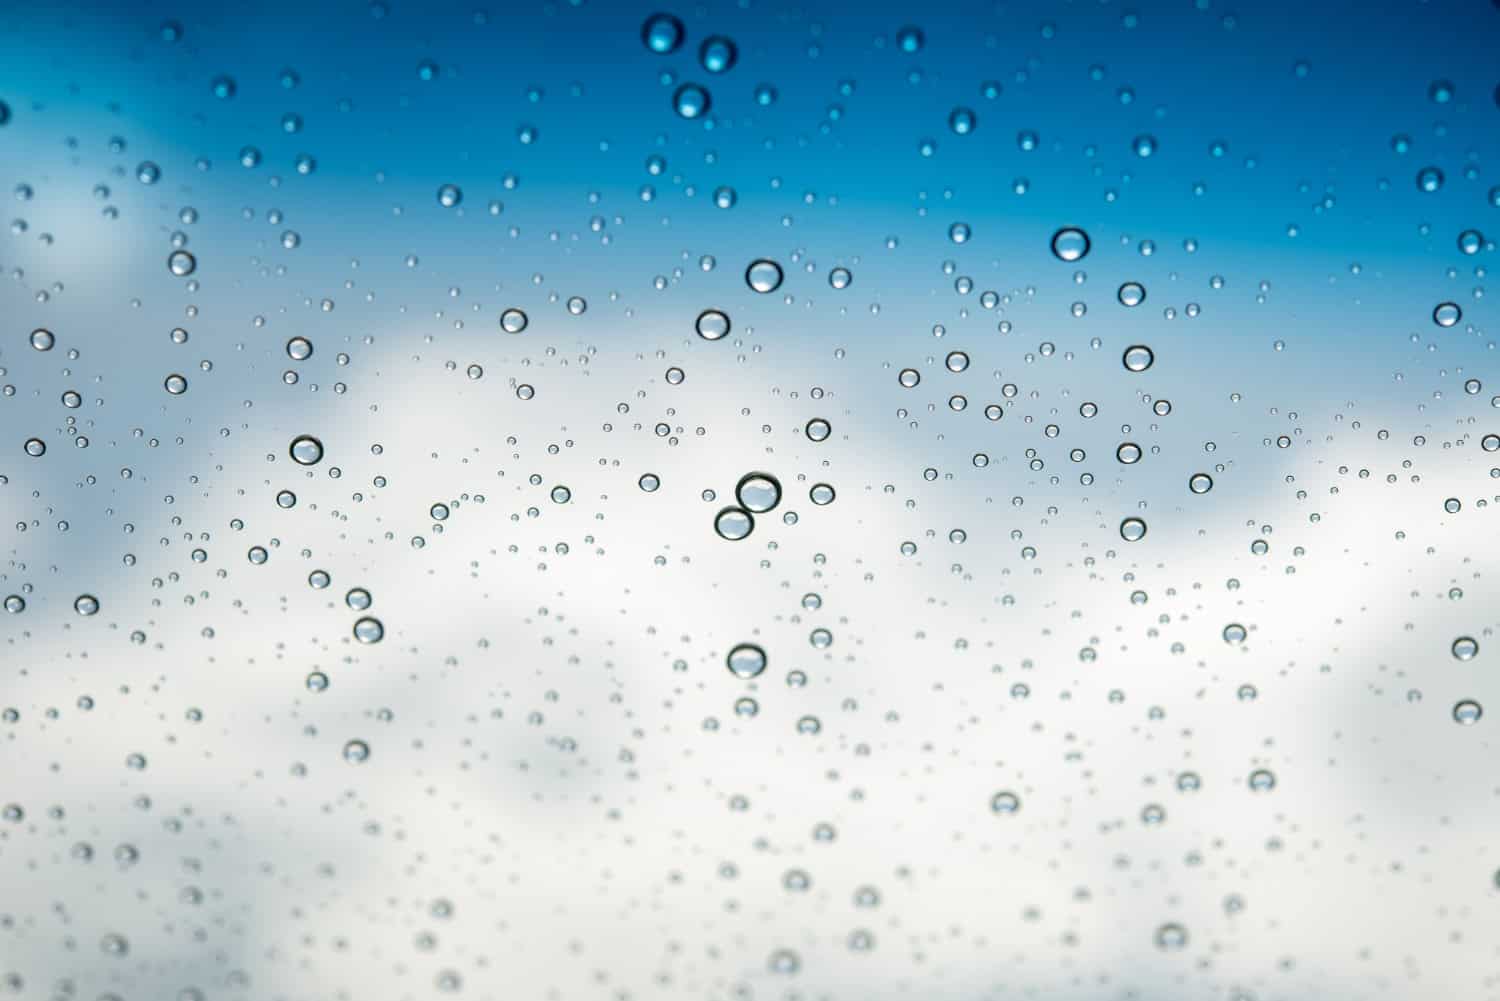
(712, 324)
(369, 630)
(1131, 294)
(1138, 358)
(763, 275)
(758, 492)
(1070, 244)
(746, 661)
(181, 263)
(691, 100)
(718, 54)
(734, 523)
(663, 33)
(306, 450)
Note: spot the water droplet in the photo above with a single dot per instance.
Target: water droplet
(1138, 358)
(369, 629)
(513, 321)
(718, 54)
(1446, 314)
(746, 661)
(1131, 294)
(1171, 937)
(306, 450)
(691, 100)
(662, 33)
(712, 324)
(175, 384)
(1070, 244)
(1465, 648)
(734, 523)
(1467, 712)
(356, 752)
(86, 604)
(758, 492)
(962, 121)
(1005, 802)
(818, 429)
(763, 275)
(1200, 483)
(181, 263)
(1132, 529)
(42, 339)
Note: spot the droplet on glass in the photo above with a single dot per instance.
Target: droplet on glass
(1138, 358)
(691, 100)
(663, 33)
(718, 54)
(181, 263)
(734, 523)
(1131, 294)
(1070, 244)
(712, 324)
(746, 661)
(763, 275)
(306, 450)
(513, 321)
(369, 630)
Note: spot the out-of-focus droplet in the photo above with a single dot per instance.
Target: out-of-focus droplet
(663, 33)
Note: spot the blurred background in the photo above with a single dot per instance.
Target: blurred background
(1108, 392)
